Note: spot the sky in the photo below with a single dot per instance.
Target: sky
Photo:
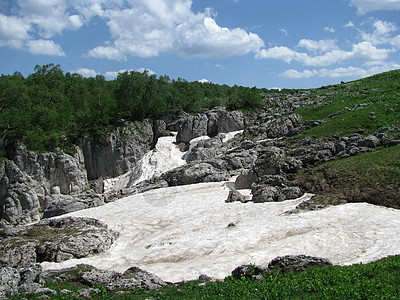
(262, 43)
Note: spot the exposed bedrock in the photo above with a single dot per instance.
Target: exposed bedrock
(54, 240)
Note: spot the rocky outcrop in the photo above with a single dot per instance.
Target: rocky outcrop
(119, 151)
(209, 123)
(30, 181)
(54, 240)
(296, 263)
(32, 279)
(280, 264)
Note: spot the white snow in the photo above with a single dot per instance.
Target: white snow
(181, 232)
(164, 157)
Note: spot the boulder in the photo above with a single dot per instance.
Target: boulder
(235, 196)
(296, 263)
(134, 278)
(54, 240)
(245, 179)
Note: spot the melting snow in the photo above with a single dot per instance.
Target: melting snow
(181, 232)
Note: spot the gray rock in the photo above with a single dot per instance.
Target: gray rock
(45, 291)
(134, 278)
(55, 240)
(87, 293)
(370, 141)
(9, 280)
(195, 173)
(97, 276)
(245, 179)
(235, 196)
(296, 263)
(119, 151)
(266, 194)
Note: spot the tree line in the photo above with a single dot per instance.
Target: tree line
(50, 109)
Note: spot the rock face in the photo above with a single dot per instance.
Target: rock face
(54, 240)
(29, 181)
(119, 151)
(209, 123)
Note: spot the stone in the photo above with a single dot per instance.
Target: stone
(134, 278)
(235, 196)
(55, 240)
(296, 263)
(245, 179)
(9, 280)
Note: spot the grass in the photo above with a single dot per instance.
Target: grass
(372, 177)
(363, 105)
(377, 280)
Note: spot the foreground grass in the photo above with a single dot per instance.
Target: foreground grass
(372, 177)
(377, 280)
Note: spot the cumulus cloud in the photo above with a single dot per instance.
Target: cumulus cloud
(366, 6)
(49, 16)
(381, 34)
(110, 75)
(148, 28)
(330, 29)
(340, 72)
(85, 72)
(107, 52)
(13, 31)
(321, 45)
(363, 52)
(44, 47)
(396, 41)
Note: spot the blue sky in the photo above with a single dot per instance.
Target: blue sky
(263, 43)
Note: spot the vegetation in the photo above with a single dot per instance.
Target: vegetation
(362, 106)
(372, 177)
(50, 109)
(377, 280)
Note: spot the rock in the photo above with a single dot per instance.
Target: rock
(45, 291)
(245, 179)
(9, 280)
(54, 240)
(195, 173)
(57, 205)
(266, 194)
(135, 277)
(249, 271)
(87, 293)
(119, 151)
(296, 263)
(236, 196)
(96, 276)
(370, 141)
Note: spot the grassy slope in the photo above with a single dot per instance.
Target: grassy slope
(377, 99)
(370, 177)
(378, 280)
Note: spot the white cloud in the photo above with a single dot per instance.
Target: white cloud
(44, 47)
(396, 41)
(341, 72)
(363, 52)
(110, 75)
(85, 72)
(50, 16)
(13, 31)
(350, 24)
(203, 80)
(148, 28)
(330, 29)
(107, 52)
(297, 74)
(381, 33)
(321, 45)
(366, 6)
(284, 31)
